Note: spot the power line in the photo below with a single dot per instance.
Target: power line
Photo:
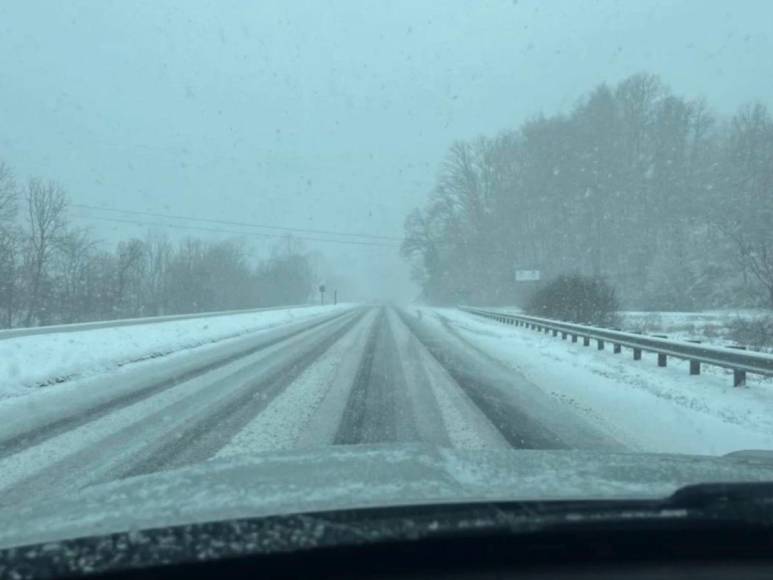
(233, 223)
(233, 232)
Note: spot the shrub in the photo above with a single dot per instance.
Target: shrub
(756, 332)
(576, 298)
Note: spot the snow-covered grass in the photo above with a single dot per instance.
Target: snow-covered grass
(643, 406)
(710, 326)
(713, 327)
(30, 362)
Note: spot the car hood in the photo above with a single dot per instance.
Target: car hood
(362, 476)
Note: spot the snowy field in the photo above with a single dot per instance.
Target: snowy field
(709, 326)
(27, 363)
(646, 407)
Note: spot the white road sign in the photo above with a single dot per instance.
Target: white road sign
(527, 275)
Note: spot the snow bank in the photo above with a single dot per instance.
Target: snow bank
(30, 362)
(645, 407)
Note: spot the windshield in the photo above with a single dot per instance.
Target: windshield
(263, 257)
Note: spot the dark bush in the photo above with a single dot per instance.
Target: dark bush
(576, 298)
(756, 333)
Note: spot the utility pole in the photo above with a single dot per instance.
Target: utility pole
(335, 297)
(322, 294)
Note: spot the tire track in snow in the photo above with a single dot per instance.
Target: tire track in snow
(487, 390)
(202, 439)
(352, 425)
(104, 449)
(444, 406)
(186, 371)
(305, 414)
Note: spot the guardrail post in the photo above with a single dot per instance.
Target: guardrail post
(555, 332)
(563, 336)
(600, 344)
(586, 340)
(618, 348)
(662, 359)
(695, 365)
(636, 354)
(739, 376)
(574, 338)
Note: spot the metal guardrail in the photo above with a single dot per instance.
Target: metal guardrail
(82, 326)
(739, 361)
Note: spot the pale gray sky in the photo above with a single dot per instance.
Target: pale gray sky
(327, 115)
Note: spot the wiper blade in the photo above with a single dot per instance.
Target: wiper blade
(745, 503)
(721, 495)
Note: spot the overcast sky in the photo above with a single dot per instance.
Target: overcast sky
(327, 115)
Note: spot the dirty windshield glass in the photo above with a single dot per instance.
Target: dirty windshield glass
(276, 256)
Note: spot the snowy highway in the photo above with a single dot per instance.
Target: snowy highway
(355, 375)
(343, 375)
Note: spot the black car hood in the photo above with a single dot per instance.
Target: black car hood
(362, 476)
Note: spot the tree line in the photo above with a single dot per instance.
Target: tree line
(669, 202)
(53, 272)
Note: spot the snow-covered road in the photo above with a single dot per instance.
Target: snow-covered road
(346, 375)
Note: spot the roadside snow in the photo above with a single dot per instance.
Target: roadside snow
(30, 362)
(646, 407)
(709, 326)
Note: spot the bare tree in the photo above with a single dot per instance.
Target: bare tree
(46, 207)
(8, 195)
(158, 256)
(745, 210)
(128, 287)
(9, 267)
(9, 245)
(74, 260)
